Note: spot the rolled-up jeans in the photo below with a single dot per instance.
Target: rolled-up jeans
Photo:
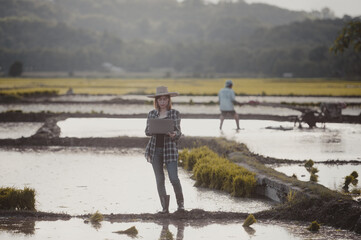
(172, 168)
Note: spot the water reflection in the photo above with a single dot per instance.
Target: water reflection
(75, 228)
(13, 226)
(166, 234)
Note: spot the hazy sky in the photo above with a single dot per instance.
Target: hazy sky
(340, 7)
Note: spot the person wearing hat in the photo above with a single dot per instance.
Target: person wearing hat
(162, 148)
(227, 99)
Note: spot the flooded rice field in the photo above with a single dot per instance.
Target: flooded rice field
(75, 228)
(18, 129)
(331, 176)
(83, 180)
(335, 142)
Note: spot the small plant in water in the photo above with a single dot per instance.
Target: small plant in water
(314, 226)
(309, 164)
(309, 167)
(132, 231)
(17, 199)
(249, 221)
(96, 217)
(313, 177)
(350, 179)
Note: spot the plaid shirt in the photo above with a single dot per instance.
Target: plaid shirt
(170, 144)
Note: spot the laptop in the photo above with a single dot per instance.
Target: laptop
(160, 126)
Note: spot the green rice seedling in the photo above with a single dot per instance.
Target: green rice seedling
(348, 180)
(212, 171)
(249, 221)
(354, 174)
(97, 217)
(314, 170)
(132, 231)
(314, 226)
(17, 199)
(291, 196)
(309, 164)
(313, 177)
(243, 185)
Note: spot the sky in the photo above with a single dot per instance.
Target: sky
(339, 7)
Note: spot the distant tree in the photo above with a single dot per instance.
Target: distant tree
(350, 35)
(16, 69)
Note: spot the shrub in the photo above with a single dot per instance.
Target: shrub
(17, 199)
(212, 171)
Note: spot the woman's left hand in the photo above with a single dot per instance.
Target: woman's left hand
(171, 134)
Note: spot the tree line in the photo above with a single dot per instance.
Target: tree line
(191, 37)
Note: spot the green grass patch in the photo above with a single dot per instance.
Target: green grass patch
(215, 172)
(17, 199)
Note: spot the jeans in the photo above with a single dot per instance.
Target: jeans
(172, 168)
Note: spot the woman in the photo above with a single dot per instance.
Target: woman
(162, 148)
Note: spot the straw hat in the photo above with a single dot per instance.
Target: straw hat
(162, 91)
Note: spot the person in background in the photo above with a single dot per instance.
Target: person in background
(227, 99)
(162, 148)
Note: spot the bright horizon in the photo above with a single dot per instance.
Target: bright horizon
(339, 7)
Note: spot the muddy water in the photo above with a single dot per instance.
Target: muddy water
(77, 229)
(336, 142)
(331, 176)
(81, 180)
(18, 130)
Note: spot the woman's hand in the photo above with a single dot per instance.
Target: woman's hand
(171, 134)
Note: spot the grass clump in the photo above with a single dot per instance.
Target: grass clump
(291, 196)
(314, 226)
(17, 199)
(350, 179)
(212, 171)
(309, 167)
(249, 221)
(132, 231)
(97, 217)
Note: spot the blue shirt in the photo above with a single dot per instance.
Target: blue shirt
(226, 98)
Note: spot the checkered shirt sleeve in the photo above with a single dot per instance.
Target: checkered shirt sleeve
(170, 145)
